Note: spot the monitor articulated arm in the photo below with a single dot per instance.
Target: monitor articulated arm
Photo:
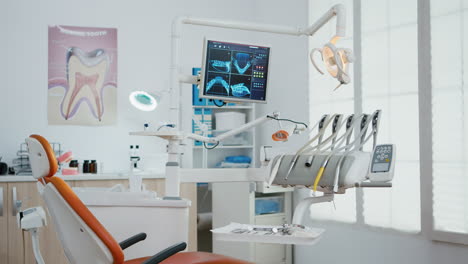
(176, 78)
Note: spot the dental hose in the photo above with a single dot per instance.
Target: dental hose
(326, 122)
(332, 138)
(320, 172)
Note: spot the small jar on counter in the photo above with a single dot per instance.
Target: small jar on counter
(93, 167)
(73, 164)
(86, 166)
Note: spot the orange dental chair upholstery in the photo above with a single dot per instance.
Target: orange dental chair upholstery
(83, 238)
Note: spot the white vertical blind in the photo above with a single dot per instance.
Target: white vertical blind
(449, 31)
(389, 82)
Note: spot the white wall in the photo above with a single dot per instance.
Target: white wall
(143, 53)
(288, 87)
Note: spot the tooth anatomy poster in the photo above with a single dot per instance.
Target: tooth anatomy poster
(82, 87)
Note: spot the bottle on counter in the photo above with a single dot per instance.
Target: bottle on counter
(93, 167)
(137, 155)
(134, 156)
(86, 166)
(73, 164)
(131, 153)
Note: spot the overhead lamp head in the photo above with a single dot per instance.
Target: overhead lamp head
(336, 61)
(144, 101)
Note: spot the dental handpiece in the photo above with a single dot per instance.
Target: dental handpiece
(349, 124)
(375, 127)
(320, 128)
(336, 121)
(350, 121)
(364, 124)
(323, 123)
(332, 137)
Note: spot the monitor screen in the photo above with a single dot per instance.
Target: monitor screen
(235, 72)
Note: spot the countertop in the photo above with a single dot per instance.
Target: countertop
(84, 177)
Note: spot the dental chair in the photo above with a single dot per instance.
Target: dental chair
(83, 237)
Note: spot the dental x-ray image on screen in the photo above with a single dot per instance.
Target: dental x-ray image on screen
(235, 72)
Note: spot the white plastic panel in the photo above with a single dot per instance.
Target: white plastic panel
(80, 243)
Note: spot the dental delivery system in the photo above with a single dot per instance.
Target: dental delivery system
(330, 164)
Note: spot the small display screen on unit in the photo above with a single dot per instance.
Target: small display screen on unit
(381, 167)
(236, 72)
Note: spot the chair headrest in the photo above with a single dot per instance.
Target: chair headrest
(41, 157)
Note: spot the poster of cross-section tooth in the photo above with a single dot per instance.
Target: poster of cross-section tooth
(82, 88)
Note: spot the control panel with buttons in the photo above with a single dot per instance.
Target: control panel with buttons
(382, 165)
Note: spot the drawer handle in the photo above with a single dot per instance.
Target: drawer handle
(1, 201)
(16, 204)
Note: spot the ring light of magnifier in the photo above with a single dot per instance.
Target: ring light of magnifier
(143, 101)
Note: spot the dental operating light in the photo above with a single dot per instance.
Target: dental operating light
(336, 61)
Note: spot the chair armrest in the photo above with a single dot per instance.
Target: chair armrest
(132, 240)
(166, 253)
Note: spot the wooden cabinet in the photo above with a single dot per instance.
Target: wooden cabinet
(3, 223)
(16, 246)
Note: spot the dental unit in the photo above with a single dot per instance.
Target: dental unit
(330, 164)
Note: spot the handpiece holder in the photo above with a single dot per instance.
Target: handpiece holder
(352, 169)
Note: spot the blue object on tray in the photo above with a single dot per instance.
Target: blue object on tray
(238, 159)
(266, 206)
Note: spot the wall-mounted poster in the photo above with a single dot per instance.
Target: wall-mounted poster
(82, 86)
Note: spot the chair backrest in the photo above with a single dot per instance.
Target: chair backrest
(83, 237)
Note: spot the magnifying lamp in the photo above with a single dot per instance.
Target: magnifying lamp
(144, 101)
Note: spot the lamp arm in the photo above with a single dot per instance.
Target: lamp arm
(339, 11)
(235, 131)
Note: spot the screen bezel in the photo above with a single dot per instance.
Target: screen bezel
(201, 87)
